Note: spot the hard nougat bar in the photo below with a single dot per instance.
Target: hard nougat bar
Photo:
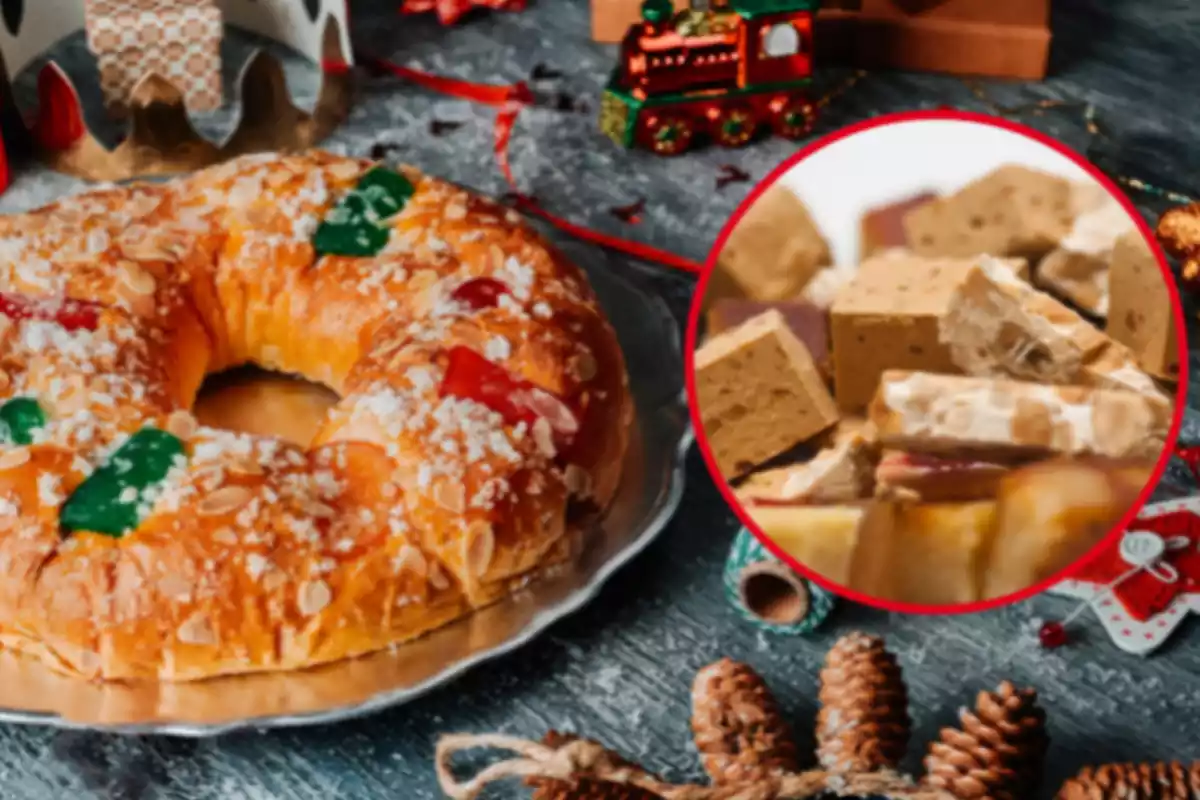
(775, 249)
(1014, 211)
(889, 317)
(835, 475)
(759, 393)
(1142, 317)
(999, 326)
(997, 419)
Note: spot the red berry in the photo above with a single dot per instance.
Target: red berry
(71, 314)
(480, 293)
(470, 376)
(1052, 635)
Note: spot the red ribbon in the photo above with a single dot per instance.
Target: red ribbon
(512, 100)
(1191, 457)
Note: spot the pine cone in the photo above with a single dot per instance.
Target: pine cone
(999, 752)
(737, 726)
(863, 724)
(1179, 230)
(584, 788)
(1160, 781)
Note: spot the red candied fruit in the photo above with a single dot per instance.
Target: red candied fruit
(73, 315)
(470, 376)
(480, 293)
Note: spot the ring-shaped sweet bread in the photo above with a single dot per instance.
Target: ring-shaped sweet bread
(482, 393)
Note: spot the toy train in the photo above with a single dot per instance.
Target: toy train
(726, 72)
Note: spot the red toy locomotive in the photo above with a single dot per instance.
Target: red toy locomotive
(725, 71)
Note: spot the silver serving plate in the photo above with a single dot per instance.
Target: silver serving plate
(651, 489)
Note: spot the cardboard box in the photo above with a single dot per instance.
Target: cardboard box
(1008, 39)
(177, 40)
(611, 18)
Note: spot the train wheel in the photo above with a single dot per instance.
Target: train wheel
(796, 119)
(735, 126)
(668, 134)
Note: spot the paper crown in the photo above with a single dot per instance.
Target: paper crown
(161, 140)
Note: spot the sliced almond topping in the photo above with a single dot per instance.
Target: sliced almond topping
(225, 536)
(410, 558)
(543, 437)
(497, 256)
(480, 548)
(224, 500)
(456, 210)
(138, 280)
(197, 629)
(314, 596)
(182, 425)
(174, 586)
(14, 458)
(450, 496)
(5, 381)
(245, 466)
(275, 579)
(71, 397)
(320, 510)
(345, 170)
(437, 578)
(578, 480)
(586, 364)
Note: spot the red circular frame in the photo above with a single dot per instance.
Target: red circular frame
(822, 143)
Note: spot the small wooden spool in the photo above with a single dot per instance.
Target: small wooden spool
(773, 593)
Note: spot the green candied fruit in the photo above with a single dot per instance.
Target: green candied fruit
(360, 239)
(111, 500)
(387, 192)
(19, 418)
(353, 227)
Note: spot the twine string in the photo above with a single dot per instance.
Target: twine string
(580, 758)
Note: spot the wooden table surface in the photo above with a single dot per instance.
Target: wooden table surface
(620, 670)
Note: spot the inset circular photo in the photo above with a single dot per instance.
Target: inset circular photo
(935, 361)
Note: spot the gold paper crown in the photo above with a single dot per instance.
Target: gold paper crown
(161, 140)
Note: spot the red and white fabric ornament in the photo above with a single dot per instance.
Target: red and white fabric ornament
(449, 11)
(1143, 585)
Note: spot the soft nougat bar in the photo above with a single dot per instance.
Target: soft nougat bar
(1000, 326)
(1003, 419)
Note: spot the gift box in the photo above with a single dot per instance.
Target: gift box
(178, 40)
(611, 18)
(1010, 39)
